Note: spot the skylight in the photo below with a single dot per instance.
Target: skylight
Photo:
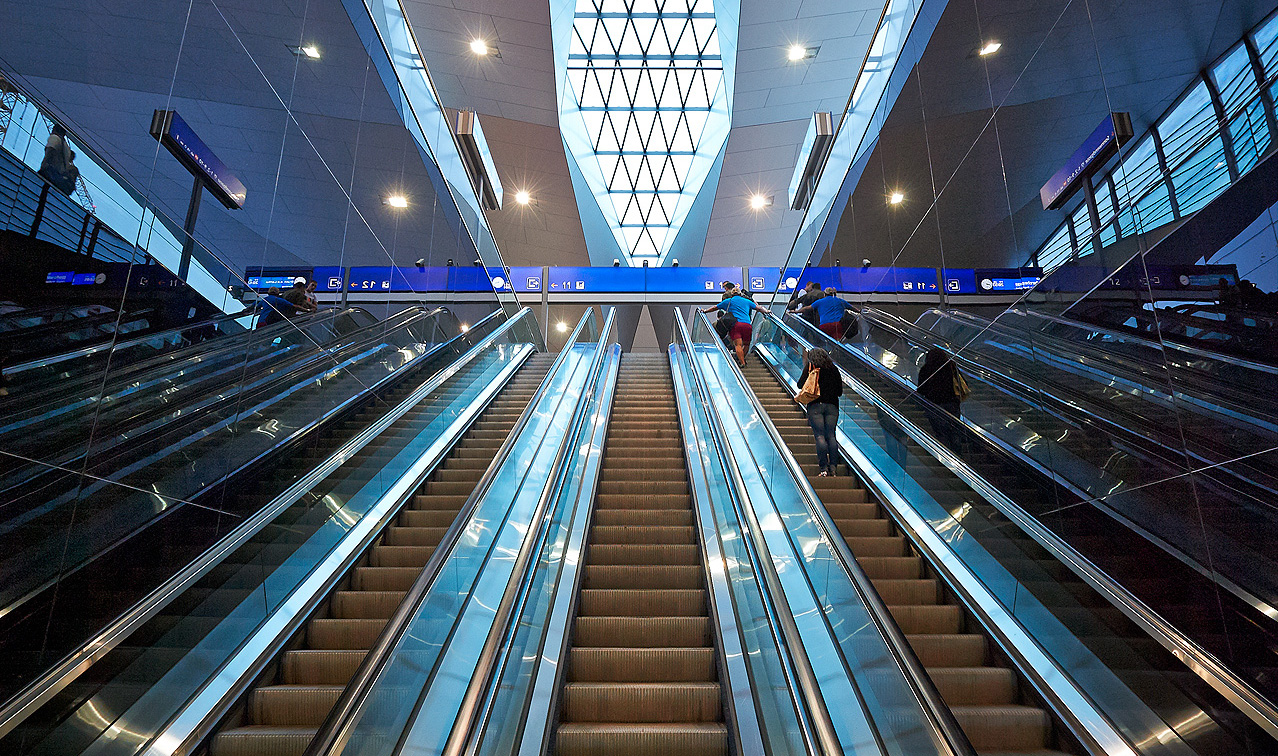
(646, 96)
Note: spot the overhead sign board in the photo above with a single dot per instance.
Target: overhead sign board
(181, 140)
(1111, 134)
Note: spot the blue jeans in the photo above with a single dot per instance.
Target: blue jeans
(824, 419)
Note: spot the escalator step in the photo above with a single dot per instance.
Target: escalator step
(641, 664)
(642, 702)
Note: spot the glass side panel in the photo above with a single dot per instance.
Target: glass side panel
(1187, 126)
(1250, 132)
(147, 679)
(1235, 80)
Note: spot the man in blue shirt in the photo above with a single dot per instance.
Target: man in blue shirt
(738, 308)
(273, 308)
(829, 311)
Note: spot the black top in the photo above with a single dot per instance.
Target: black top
(830, 382)
(936, 383)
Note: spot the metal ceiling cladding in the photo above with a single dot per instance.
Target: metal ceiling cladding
(645, 109)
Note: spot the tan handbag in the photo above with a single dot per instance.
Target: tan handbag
(811, 388)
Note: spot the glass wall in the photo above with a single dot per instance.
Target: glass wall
(1135, 378)
(149, 406)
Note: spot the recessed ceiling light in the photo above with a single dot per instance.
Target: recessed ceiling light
(309, 51)
(561, 326)
(397, 201)
(523, 197)
(760, 201)
(896, 198)
(480, 47)
(796, 53)
(989, 48)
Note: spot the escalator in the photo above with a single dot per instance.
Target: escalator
(642, 674)
(330, 565)
(986, 697)
(1142, 670)
(289, 703)
(71, 578)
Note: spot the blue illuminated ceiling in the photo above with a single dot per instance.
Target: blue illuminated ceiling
(645, 100)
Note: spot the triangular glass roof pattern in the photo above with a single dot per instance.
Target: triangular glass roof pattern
(645, 108)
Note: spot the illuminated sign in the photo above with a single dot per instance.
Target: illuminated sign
(181, 140)
(1103, 143)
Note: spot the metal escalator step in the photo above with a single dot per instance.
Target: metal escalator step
(453, 502)
(642, 534)
(917, 591)
(618, 602)
(458, 474)
(891, 568)
(650, 501)
(936, 618)
(1004, 727)
(293, 705)
(864, 528)
(401, 556)
(343, 634)
(851, 510)
(893, 546)
(663, 577)
(961, 686)
(641, 664)
(939, 650)
(642, 702)
(428, 518)
(400, 535)
(606, 517)
(682, 739)
(314, 667)
(642, 632)
(261, 740)
(642, 553)
(384, 578)
(643, 476)
(365, 604)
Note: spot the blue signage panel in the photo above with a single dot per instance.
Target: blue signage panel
(958, 280)
(526, 279)
(62, 277)
(876, 280)
(370, 278)
(88, 279)
(327, 278)
(766, 279)
(181, 140)
(1006, 279)
(595, 280)
(689, 280)
(1111, 134)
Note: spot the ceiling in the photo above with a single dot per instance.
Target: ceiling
(970, 140)
(774, 101)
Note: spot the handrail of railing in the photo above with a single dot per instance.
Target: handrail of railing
(65, 672)
(939, 714)
(118, 345)
(517, 590)
(1064, 399)
(817, 728)
(339, 725)
(1250, 701)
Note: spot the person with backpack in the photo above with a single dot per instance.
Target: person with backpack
(941, 383)
(738, 308)
(821, 386)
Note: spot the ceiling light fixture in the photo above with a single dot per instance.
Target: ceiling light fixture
(795, 53)
(483, 49)
(989, 48)
(397, 201)
(561, 326)
(308, 51)
(760, 201)
(523, 197)
(896, 198)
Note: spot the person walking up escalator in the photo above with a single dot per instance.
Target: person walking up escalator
(829, 311)
(941, 383)
(739, 308)
(823, 409)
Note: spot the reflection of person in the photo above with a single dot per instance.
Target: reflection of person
(823, 411)
(829, 310)
(738, 308)
(811, 293)
(58, 166)
(297, 296)
(941, 383)
(312, 301)
(274, 308)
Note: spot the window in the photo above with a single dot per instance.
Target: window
(1057, 249)
(1266, 39)
(648, 80)
(1200, 178)
(1188, 125)
(1234, 80)
(1138, 171)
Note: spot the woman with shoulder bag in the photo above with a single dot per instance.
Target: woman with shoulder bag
(941, 383)
(822, 399)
